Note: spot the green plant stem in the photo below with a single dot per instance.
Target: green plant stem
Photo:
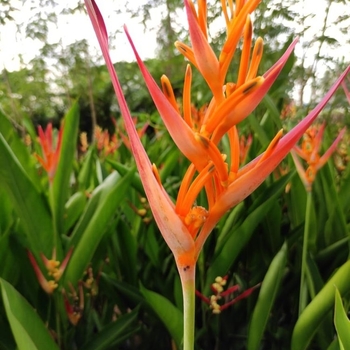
(188, 291)
(303, 296)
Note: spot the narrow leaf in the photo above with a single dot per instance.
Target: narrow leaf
(60, 187)
(267, 296)
(112, 194)
(30, 205)
(342, 323)
(170, 315)
(28, 329)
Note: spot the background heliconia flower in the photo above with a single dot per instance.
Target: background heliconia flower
(310, 152)
(50, 151)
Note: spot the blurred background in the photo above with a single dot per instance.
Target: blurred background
(49, 54)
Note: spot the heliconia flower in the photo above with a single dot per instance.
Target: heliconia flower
(140, 131)
(105, 143)
(309, 151)
(75, 308)
(221, 294)
(184, 226)
(84, 144)
(54, 269)
(51, 154)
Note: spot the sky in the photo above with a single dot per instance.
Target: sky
(77, 27)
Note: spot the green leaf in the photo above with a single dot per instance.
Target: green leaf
(19, 149)
(267, 296)
(122, 170)
(274, 113)
(314, 313)
(73, 209)
(28, 329)
(84, 177)
(93, 223)
(342, 323)
(170, 315)
(60, 186)
(113, 333)
(30, 205)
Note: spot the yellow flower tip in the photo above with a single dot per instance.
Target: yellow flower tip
(49, 286)
(156, 174)
(169, 92)
(203, 131)
(250, 87)
(52, 265)
(229, 88)
(143, 200)
(186, 51)
(181, 47)
(218, 279)
(195, 219)
(142, 212)
(215, 156)
(232, 176)
(57, 274)
(222, 281)
(204, 141)
(259, 47)
(216, 308)
(218, 287)
(147, 220)
(271, 146)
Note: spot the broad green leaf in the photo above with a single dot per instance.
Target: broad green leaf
(171, 161)
(170, 315)
(6, 209)
(342, 323)
(334, 345)
(267, 296)
(130, 292)
(314, 313)
(274, 113)
(19, 149)
(113, 333)
(73, 209)
(60, 187)
(122, 170)
(28, 329)
(30, 205)
(125, 248)
(9, 267)
(85, 174)
(92, 226)
(258, 130)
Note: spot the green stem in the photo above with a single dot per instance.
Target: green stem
(303, 286)
(188, 291)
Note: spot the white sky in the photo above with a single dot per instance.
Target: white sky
(77, 27)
